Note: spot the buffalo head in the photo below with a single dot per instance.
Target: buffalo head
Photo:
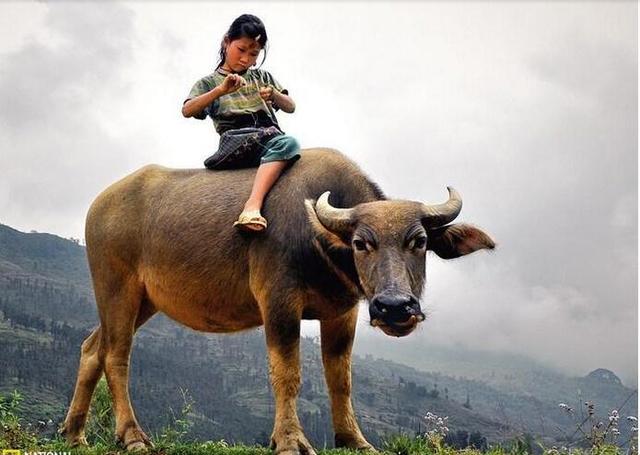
(389, 240)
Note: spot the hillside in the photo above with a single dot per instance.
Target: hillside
(47, 308)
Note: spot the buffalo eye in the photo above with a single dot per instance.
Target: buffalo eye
(360, 245)
(418, 243)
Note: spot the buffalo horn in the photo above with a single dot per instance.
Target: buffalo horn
(441, 214)
(334, 219)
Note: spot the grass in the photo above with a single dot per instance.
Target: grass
(171, 440)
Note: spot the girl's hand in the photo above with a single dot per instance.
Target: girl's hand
(266, 93)
(232, 83)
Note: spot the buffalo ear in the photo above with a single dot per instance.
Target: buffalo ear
(456, 240)
(327, 239)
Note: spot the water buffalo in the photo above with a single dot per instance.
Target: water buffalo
(162, 240)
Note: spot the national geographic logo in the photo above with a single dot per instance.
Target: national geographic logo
(20, 452)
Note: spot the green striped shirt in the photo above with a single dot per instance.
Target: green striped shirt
(241, 108)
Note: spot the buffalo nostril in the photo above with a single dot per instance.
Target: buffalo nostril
(380, 306)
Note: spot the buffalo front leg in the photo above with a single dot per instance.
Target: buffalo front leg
(282, 329)
(337, 339)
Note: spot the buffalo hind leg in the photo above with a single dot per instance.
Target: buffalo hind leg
(281, 317)
(337, 339)
(120, 320)
(89, 373)
(91, 368)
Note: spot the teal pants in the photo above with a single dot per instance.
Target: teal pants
(280, 148)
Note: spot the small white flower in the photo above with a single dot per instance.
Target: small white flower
(632, 419)
(566, 407)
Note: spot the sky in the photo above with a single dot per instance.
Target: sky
(528, 109)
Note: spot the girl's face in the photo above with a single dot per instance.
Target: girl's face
(240, 54)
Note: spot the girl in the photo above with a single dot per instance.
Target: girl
(237, 96)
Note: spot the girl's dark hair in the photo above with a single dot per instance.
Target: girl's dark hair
(245, 26)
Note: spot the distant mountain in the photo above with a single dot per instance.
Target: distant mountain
(604, 376)
(43, 255)
(515, 389)
(47, 308)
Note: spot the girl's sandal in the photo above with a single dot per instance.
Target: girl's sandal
(251, 221)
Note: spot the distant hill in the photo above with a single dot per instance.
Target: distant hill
(604, 376)
(44, 255)
(47, 308)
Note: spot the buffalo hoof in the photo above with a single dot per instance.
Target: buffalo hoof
(136, 446)
(292, 444)
(78, 441)
(134, 439)
(354, 442)
(74, 439)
